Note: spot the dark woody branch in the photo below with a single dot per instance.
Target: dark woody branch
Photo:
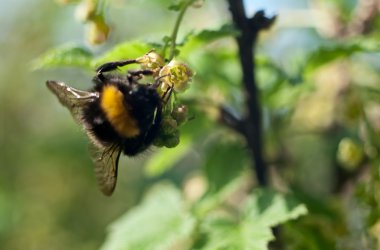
(250, 125)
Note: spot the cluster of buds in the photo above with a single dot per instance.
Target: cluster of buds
(169, 132)
(174, 76)
(98, 30)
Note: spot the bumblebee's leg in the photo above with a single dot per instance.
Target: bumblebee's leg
(166, 96)
(112, 66)
(145, 72)
(137, 74)
(168, 92)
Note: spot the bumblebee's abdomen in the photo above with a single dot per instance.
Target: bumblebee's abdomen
(117, 113)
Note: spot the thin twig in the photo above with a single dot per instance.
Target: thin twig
(230, 120)
(173, 38)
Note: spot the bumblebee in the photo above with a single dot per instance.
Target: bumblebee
(119, 115)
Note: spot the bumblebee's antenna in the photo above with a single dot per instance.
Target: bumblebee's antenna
(140, 73)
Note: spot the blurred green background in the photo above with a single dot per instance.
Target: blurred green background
(48, 195)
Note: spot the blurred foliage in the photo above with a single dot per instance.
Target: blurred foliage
(177, 226)
(319, 88)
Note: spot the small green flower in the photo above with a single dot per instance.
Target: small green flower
(176, 75)
(151, 60)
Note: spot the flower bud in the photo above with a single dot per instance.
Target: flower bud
(198, 3)
(180, 114)
(86, 10)
(98, 31)
(159, 141)
(64, 2)
(168, 126)
(349, 154)
(173, 140)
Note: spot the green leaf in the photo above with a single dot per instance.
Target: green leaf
(225, 30)
(165, 158)
(224, 161)
(284, 96)
(127, 50)
(335, 51)
(369, 89)
(67, 55)
(195, 41)
(226, 234)
(268, 208)
(252, 229)
(160, 222)
(211, 201)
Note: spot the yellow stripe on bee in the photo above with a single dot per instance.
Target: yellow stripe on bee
(113, 105)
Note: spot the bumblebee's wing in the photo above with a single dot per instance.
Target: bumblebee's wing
(106, 162)
(105, 157)
(72, 98)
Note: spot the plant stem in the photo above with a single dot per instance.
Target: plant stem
(173, 37)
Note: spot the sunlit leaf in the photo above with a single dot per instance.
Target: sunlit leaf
(268, 208)
(195, 41)
(327, 54)
(67, 55)
(159, 223)
(252, 230)
(215, 199)
(127, 50)
(227, 234)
